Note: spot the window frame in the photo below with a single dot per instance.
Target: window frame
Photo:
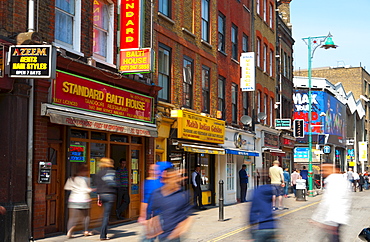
(76, 29)
(221, 95)
(234, 103)
(271, 16)
(245, 43)
(258, 52)
(221, 41)
(168, 75)
(188, 85)
(206, 98)
(205, 20)
(161, 3)
(245, 103)
(234, 42)
(264, 57)
(271, 62)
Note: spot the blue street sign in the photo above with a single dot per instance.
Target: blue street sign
(327, 149)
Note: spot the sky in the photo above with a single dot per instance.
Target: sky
(347, 21)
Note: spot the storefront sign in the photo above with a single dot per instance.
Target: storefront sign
(247, 81)
(82, 93)
(91, 124)
(31, 61)
(241, 152)
(136, 60)
(287, 142)
(362, 151)
(197, 127)
(130, 24)
(204, 150)
(270, 140)
(77, 153)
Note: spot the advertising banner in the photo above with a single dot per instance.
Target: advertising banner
(328, 116)
(82, 93)
(247, 81)
(362, 151)
(136, 60)
(130, 30)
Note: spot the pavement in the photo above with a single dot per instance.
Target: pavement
(206, 225)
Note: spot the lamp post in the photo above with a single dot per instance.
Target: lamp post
(312, 44)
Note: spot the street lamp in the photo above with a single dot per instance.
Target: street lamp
(312, 44)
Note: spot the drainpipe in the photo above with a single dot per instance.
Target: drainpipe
(31, 28)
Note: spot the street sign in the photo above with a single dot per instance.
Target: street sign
(298, 128)
(283, 124)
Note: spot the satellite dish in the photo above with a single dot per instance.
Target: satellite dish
(246, 120)
(261, 116)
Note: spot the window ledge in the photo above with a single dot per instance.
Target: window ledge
(206, 44)
(61, 46)
(246, 8)
(222, 52)
(188, 32)
(166, 18)
(237, 62)
(104, 62)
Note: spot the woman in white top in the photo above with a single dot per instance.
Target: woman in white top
(79, 200)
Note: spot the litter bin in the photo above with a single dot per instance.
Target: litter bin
(301, 189)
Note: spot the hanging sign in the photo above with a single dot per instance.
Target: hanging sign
(31, 61)
(247, 82)
(136, 60)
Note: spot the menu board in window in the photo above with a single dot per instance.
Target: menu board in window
(77, 153)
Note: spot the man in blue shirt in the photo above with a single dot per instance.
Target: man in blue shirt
(243, 178)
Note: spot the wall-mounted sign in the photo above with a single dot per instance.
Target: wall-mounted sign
(247, 81)
(270, 140)
(44, 172)
(197, 127)
(31, 61)
(362, 151)
(301, 152)
(130, 24)
(82, 93)
(136, 60)
(77, 153)
(283, 124)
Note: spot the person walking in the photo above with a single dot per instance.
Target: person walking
(106, 188)
(171, 204)
(350, 177)
(286, 181)
(243, 179)
(123, 196)
(277, 183)
(361, 181)
(366, 177)
(334, 209)
(79, 200)
(356, 178)
(197, 182)
(295, 175)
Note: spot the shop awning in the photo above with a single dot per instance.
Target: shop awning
(85, 119)
(242, 152)
(203, 149)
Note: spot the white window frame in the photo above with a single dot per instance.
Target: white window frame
(271, 16)
(258, 7)
(271, 112)
(230, 173)
(265, 10)
(76, 36)
(265, 58)
(258, 52)
(271, 61)
(110, 38)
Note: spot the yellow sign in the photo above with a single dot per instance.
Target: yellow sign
(351, 163)
(197, 127)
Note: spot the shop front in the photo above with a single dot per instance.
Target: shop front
(287, 145)
(195, 141)
(239, 149)
(84, 120)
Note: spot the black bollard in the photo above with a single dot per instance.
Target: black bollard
(221, 201)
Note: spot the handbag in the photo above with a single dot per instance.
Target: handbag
(153, 227)
(365, 234)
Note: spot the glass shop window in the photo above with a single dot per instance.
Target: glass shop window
(136, 140)
(97, 151)
(204, 170)
(119, 138)
(98, 136)
(81, 134)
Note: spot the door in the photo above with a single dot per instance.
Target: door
(137, 163)
(54, 221)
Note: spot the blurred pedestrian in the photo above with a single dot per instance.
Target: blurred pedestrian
(261, 214)
(278, 184)
(366, 177)
(197, 182)
(286, 181)
(79, 200)
(356, 178)
(123, 196)
(361, 182)
(170, 205)
(152, 182)
(106, 186)
(350, 177)
(334, 208)
(295, 175)
(243, 180)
